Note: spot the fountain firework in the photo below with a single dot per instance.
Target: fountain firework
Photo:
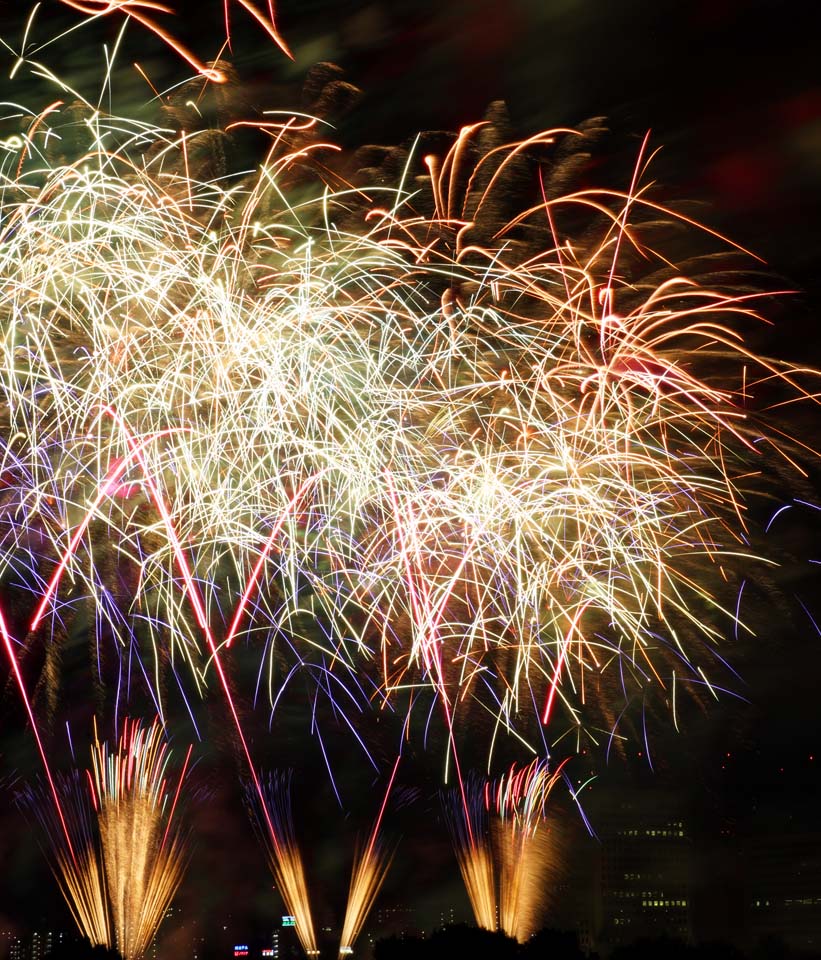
(503, 843)
(467, 820)
(370, 867)
(115, 842)
(144, 851)
(272, 815)
(525, 846)
(73, 848)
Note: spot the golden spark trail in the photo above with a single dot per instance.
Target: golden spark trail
(72, 847)
(505, 850)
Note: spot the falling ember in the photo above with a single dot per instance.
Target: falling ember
(139, 10)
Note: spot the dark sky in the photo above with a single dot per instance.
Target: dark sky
(732, 93)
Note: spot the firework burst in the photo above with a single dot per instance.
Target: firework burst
(429, 436)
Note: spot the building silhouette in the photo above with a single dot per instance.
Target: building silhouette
(645, 873)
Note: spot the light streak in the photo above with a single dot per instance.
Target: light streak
(509, 852)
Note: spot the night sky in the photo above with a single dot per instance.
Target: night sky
(731, 91)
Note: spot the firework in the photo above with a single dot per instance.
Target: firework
(143, 13)
(444, 445)
(370, 867)
(502, 843)
(73, 850)
(525, 846)
(143, 849)
(369, 870)
(270, 806)
(115, 844)
(466, 816)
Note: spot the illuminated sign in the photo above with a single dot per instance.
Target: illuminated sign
(240, 949)
(268, 952)
(289, 921)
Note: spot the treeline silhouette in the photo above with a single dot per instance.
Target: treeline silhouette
(463, 940)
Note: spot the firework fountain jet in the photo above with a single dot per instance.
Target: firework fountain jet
(272, 806)
(370, 867)
(73, 849)
(370, 863)
(143, 849)
(503, 843)
(116, 845)
(466, 816)
(525, 846)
